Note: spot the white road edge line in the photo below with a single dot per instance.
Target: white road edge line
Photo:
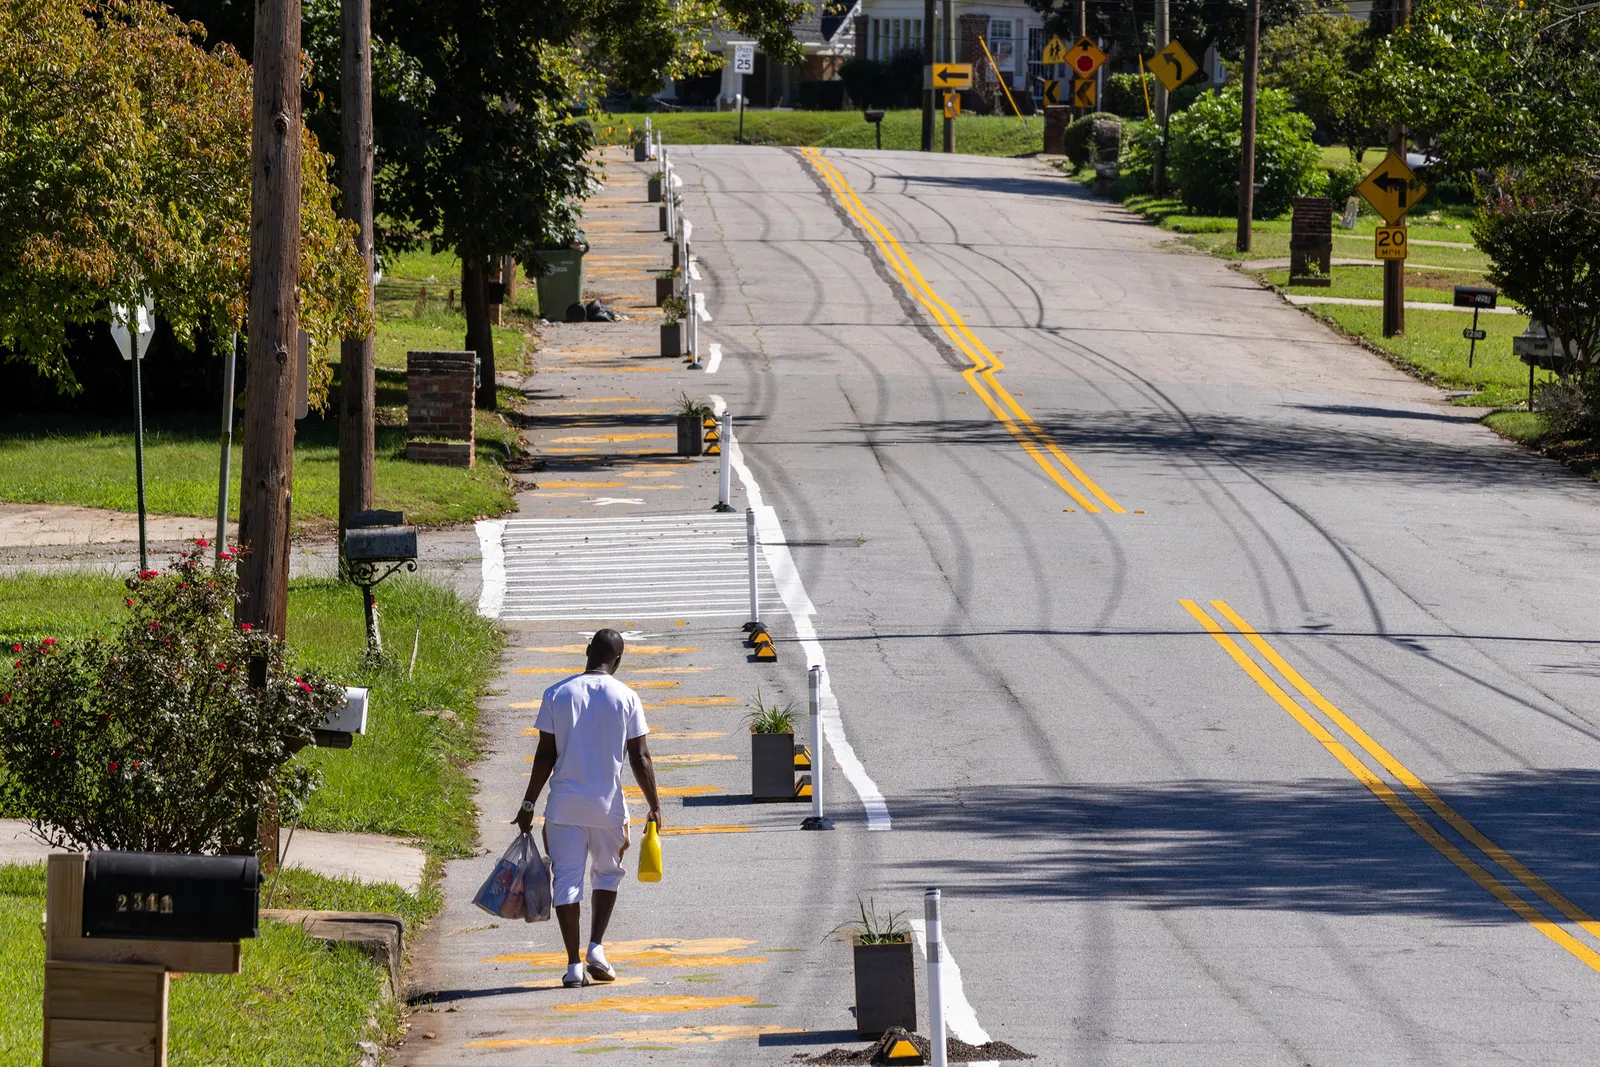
(959, 1017)
(694, 267)
(775, 549)
(491, 546)
(700, 307)
(716, 358)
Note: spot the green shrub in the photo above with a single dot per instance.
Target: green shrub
(1341, 184)
(1124, 97)
(153, 739)
(1137, 165)
(1078, 141)
(1204, 155)
(863, 81)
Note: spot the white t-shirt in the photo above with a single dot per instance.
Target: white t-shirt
(593, 717)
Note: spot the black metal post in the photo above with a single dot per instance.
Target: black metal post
(1471, 351)
(741, 108)
(138, 431)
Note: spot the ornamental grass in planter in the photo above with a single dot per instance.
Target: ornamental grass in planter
(771, 750)
(666, 283)
(653, 188)
(691, 418)
(886, 970)
(674, 309)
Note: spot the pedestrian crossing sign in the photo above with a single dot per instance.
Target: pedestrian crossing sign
(1054, 52)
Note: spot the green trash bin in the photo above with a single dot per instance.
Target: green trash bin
(560, 279)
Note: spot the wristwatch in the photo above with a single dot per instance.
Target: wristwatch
(527, 807)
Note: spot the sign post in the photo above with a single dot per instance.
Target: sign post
(744, 62)
(132, 329)
(1392, 189)
(1172, 67)
(1477, 298)
(227, 446)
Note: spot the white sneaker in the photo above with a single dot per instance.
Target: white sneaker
(574, 977)
(599, 969)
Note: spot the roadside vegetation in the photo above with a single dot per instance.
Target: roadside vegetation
(297, 1001)
(979, 135)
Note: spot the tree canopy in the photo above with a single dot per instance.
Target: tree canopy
(125, 162)
(1323, 60)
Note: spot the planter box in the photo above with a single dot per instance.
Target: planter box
(664, 287)
(653, 190)
(677, 254)
(661, 218)
(886, 988)
(641, 151)
(672, 339)
(691, 441)
(772, 766)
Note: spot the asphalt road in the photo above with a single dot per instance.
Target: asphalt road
(1232, 687)
(1152, 852)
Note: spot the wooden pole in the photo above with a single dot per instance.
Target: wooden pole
(1394, 270)
(949, 143)
(927, 66)
(1247, 138)
(1163, 104)
(268, 463)
(357, 355)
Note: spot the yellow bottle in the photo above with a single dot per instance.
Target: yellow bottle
(650, 854)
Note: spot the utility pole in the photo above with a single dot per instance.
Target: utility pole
(357, 355)
(1394, 270)
(927, 75)
(949, 57)
(268, 463)
(1159, 178)
(1083, 31)
(1247, 132)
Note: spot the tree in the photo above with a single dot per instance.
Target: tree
(1206, 153)
(1496, 86)
(1541, 231)
(1323, 60)
(125, 169)
(1131, 31)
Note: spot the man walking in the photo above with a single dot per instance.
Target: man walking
(587, 724)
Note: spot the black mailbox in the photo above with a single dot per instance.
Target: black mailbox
(872, 116)
(380, 544)
(496, 292)
(154, 896)
(1475, 296)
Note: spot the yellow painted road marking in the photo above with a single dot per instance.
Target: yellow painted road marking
(602, 438)
(981, 376)
(653, 1005)
(634, 793)
(1407, 814)
(1418, 788)
(704, 702)
(702, 961)
(653, 685)
(601, 400)
(555, 983)
(632, 650)
(541, 670)
(629, 951)
(668, 670)
(704, 735)
(681, 1035)
(692, 757)
(670, 831)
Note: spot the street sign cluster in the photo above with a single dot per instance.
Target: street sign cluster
(1393, 189)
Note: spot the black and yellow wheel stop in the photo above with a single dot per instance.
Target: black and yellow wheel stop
(802, 758)
(802, 787)
(762, 643)
(709, 422)
(897, 1047)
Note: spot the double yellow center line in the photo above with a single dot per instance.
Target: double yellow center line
(1407, 812)
(981, 376)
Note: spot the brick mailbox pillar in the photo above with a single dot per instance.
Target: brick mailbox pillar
(1056, 118)
(1311, 241)
(440, 387)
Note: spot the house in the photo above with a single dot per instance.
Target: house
(1012, 33)
(826, 35)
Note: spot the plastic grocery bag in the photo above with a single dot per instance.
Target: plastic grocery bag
(537, 892)
(520, 876)
(650, 854)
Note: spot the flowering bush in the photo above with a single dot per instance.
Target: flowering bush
(152, 738)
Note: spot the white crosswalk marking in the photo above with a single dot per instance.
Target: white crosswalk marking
(638, 567)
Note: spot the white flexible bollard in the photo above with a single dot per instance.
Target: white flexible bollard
(930, 914)
(816, 820)
(750, 565)
(725, 464)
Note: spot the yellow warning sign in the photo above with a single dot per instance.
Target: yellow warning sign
(1052, 91)
(1054, 52)
(1389, 242)
(1392, 188)
(1173, 66)
(952, 75)
(952, 105)
(1085, 57)
(1084, 92)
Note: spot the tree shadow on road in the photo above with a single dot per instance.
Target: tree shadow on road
(1324, 845)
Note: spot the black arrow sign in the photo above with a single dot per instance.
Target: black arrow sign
(1083, 93)
(1177, 68)
(948, 75)
(1052, 92)
(1389, 183)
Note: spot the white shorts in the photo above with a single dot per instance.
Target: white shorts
(572, 847)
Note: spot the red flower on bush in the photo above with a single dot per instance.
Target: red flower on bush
(129, 601)
(5, 698)
(16, 648)
(305, 686)
(245, 627)
(200, 542)
(47, 642)
(225, 555)
(111, 768)
(147, 575)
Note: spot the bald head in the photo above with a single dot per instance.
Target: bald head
(605, 650)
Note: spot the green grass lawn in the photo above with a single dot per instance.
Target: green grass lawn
(982, 135)
(298, 1002)
(405, 776)
(1366, 283)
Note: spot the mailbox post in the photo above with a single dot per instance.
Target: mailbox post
(376, 545)
(875, 116)
(1477, 298)
(116, 925)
